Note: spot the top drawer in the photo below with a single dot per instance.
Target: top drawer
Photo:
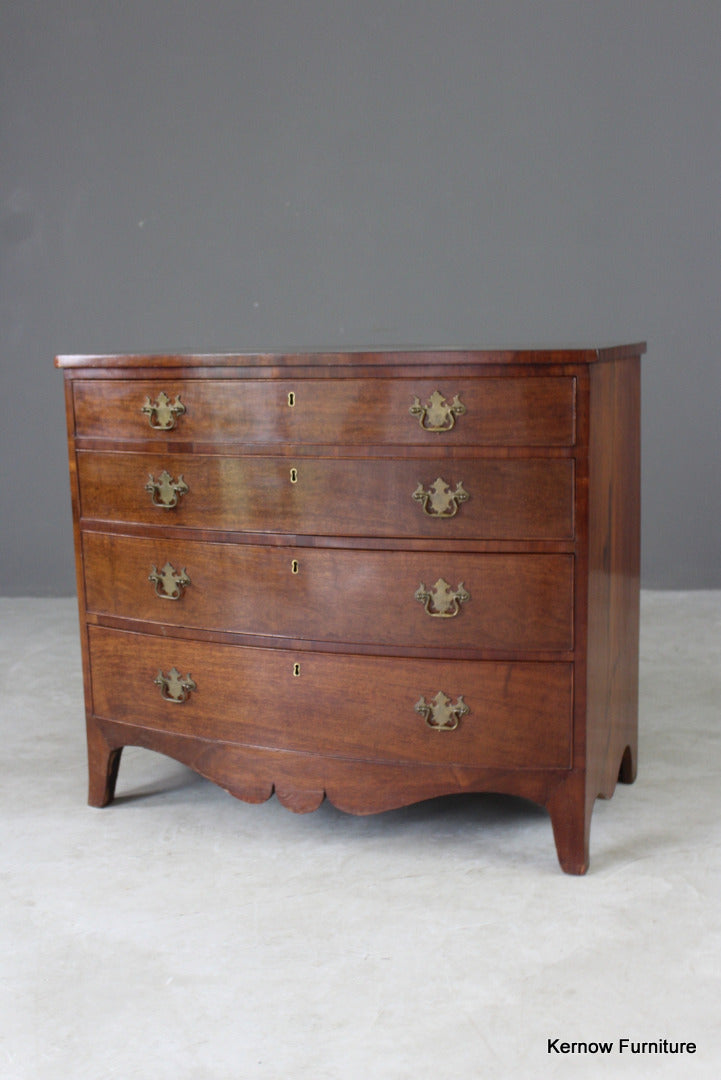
(485, 411)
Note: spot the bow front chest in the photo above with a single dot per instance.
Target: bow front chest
(375, 577)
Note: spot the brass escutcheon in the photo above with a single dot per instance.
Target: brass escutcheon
(294, 566)
(437, 415)
(440, 714)
(163, 414)
(169, 583)
(166, 492)
(294, 476)
(173, 687)
(441, 601)
(442, 501)
(291, 398)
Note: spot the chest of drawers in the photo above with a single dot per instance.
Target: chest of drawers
(376, 577)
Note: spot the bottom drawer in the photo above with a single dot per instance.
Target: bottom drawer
(458, 712)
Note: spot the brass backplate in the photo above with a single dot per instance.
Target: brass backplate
(163, 414)
(440, 600)
(438, 500)
(437, 415)
(440, 714)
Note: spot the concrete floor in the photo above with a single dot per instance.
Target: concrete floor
(182, 935)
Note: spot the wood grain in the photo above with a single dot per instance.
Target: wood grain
(339, 705)
(335, 362)
(523, 411)
(508, 499)
(517, 601)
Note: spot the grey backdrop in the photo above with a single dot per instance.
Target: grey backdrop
(226, 175)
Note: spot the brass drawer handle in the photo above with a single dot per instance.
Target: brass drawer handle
(440, 714)
(441, 601)
(163, 414)
(442, 501)
(166, 492)
(169, 582)
(437, 415)
(173, 687)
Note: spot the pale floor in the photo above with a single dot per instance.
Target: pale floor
(182, 935)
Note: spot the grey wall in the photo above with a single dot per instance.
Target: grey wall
(226, 175)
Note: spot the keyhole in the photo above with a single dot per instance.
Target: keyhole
(291, 399)
(294, 566)
(296, 669)
(294, 476)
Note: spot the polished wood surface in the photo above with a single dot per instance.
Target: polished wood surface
(523, 411)
(301, 543)
(338, 704)
(337, 363)
(614, 578)
(528, 498)
(517, 602)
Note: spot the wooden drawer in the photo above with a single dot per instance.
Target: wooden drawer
(519, 714)
(506, 601)
(516, 499)
(520, 411)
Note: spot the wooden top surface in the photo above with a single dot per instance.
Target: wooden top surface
(354, 357)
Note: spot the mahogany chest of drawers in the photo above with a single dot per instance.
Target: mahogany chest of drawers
(376, 577)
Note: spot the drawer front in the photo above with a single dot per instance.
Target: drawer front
(510, 411)
(461, 712)
(394, 598)
(516, 499)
